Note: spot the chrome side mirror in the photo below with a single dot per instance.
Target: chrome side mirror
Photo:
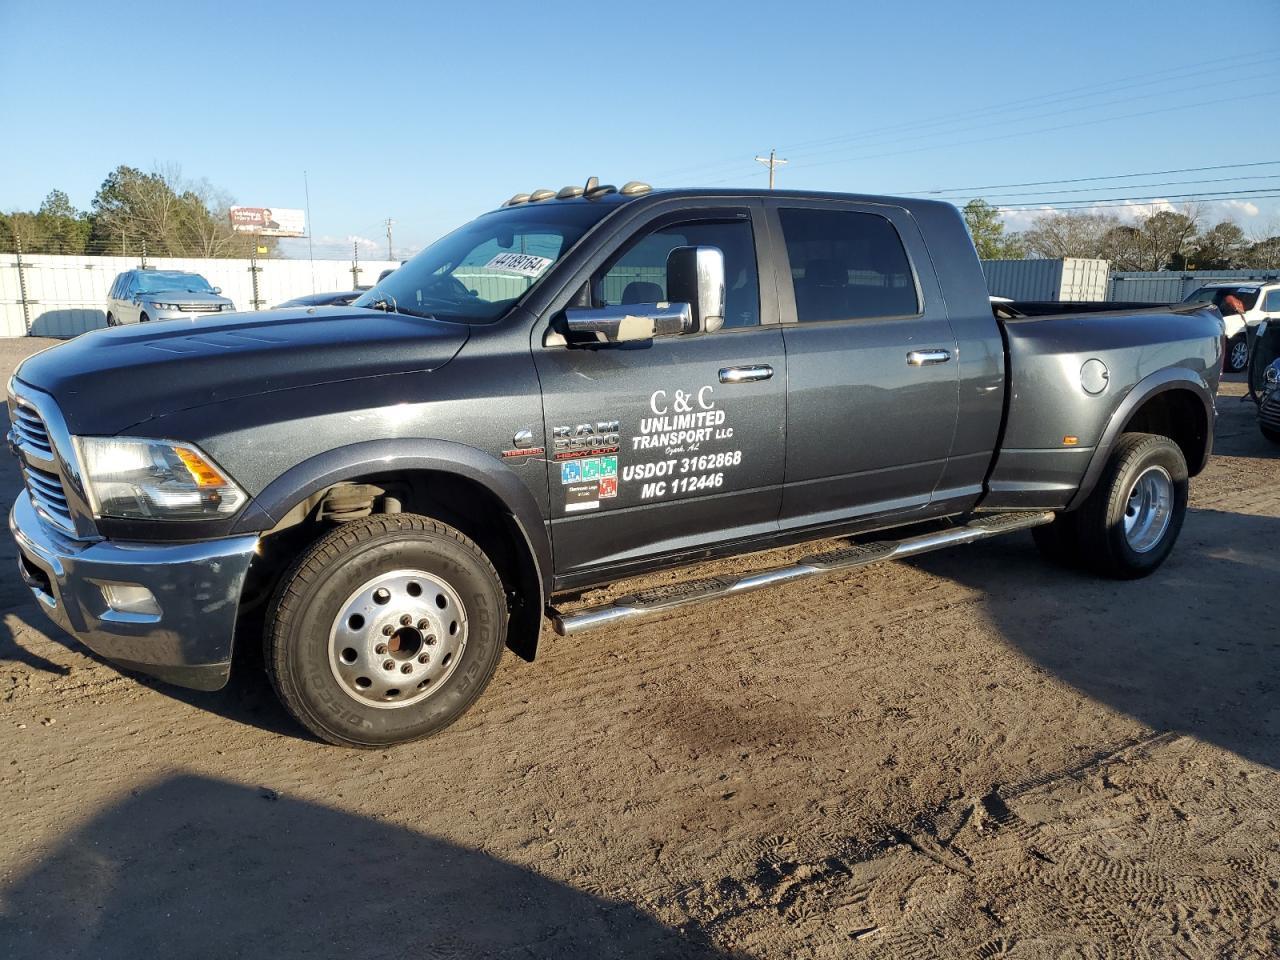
(217, 290)
(629, 322)
(695, 275)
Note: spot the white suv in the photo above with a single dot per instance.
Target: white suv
(1261, 301)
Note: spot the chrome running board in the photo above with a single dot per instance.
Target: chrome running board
(661, 599)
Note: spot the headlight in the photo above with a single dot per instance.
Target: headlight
(135, 479)
(166, 306)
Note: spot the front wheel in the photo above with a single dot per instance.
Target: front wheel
(1237, 353)
(1128, 525)
(143, 318)
(1270, 434)
(386, 630)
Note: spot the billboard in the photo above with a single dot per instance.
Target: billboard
(268, 221)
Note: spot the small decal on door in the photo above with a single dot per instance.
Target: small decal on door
(582, 496)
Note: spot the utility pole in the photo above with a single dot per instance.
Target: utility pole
(355, 264)
(771, 161)
(390, 255)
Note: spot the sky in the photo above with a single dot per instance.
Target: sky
(432, 113)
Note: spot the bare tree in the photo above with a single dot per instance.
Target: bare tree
(1068, 234)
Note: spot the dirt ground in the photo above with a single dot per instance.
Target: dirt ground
(971, 754)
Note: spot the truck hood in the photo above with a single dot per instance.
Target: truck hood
(109, 380)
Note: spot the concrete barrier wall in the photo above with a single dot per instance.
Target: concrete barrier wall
(66, 296)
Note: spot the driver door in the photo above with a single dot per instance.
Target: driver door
(660, 448)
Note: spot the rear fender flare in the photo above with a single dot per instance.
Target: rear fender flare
(1170, 378)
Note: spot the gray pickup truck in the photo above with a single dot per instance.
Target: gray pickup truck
(572, 389)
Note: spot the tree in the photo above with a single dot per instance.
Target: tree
(174, 217)
(57, 227)
(987, 229)
(1069, 234)
(1166, 236)
(1222, 247)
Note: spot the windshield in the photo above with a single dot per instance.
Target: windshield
(1247, 296)
(155, 281)
(474, 274)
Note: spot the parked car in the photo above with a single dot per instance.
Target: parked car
(629, 380)
(138, 296)
(338, 299)
(1264, 378)
(1243, 304)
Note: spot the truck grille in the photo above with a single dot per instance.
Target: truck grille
(1269, 413)
(48, 496)
(200, 307)
(40, 459)
(31, 429)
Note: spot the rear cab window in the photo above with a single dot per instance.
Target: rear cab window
(847, 265)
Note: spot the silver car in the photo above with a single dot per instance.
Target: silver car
(137, 296)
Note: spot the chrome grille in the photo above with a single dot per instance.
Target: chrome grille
(200, 307)
(31, 429)
(1270, 411)
(48, 496)
(41, 441)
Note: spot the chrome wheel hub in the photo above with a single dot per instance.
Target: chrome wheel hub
(397, 638)
(1239, 355)
(1149, 509)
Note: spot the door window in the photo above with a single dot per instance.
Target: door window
(847, 265)
(1272, 304)
(640, 274)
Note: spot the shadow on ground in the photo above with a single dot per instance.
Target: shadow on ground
(196, 867)
(1202, 657)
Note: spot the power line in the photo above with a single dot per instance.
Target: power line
(1127, 186)
(1053, 129)
(1110, 176)
(1164, 95)
(1026, 103)
(1155, 200)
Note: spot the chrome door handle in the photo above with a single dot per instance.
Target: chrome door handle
(759, 371)
(922, 358)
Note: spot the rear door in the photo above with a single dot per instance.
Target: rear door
(872, 362)
(663, 447)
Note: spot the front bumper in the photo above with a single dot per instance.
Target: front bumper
(196, 587)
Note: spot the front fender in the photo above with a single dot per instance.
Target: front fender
(1170, 378)
(380, 456)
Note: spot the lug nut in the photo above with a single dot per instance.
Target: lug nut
(407, 668)
(388, 664)
(431, 640)
(423, 658)
(380, 648)
(388, 630)
(406, 620)
(423, 624)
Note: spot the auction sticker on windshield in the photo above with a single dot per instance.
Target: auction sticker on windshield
(525, 264)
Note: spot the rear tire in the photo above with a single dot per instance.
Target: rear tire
(386, 630)
(1130, 522)
(1237, 357)
(111, 321)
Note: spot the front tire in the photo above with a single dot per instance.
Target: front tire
(1130, 522)
(143, 318)
(386, 630)
(1237, 358)
(1272, 435)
